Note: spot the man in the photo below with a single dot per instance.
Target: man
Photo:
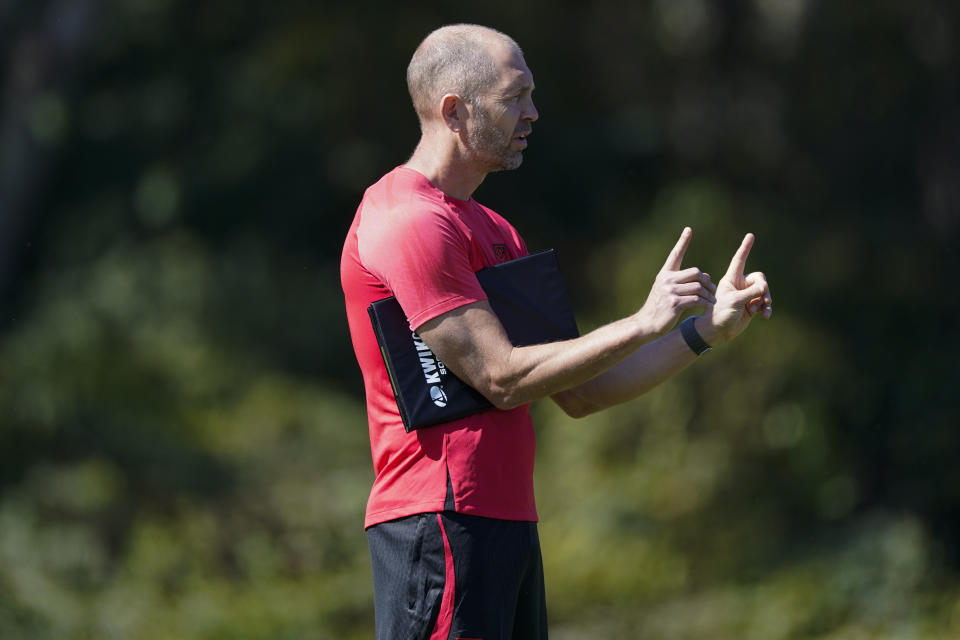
(451, 520)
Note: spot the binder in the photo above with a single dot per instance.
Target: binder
(529, 297)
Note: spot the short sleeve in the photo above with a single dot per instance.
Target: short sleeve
(423, 257)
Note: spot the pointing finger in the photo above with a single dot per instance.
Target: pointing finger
(739, 261)
(675, 259)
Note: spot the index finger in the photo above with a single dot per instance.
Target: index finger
(675, 259)
(739, 261)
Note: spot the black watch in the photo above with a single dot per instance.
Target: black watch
(693, 339)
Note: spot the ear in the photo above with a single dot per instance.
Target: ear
(453, 111)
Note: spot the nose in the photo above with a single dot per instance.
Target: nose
(531, 113)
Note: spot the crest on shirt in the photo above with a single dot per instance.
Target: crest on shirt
(500, 252)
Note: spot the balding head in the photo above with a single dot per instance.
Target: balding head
(453, 59)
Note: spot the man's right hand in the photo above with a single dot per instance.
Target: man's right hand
(676, 290)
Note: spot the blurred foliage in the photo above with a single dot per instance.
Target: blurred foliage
(183, 451)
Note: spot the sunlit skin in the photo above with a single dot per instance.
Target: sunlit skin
(464, 142)
(496, 134)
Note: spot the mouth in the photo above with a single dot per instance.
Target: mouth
(521, 138)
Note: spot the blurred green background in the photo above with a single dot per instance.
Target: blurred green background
(183, 448)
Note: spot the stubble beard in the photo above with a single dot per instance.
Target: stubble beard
(490, 146)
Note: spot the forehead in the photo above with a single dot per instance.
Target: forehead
(512, 70)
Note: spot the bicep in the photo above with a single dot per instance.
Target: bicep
(423, 259)
(470, 341)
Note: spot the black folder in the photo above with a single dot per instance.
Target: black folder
(530, 299)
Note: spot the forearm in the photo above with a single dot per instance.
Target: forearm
(538, 371)
(472, 342)
(641, 371)
(739, 297)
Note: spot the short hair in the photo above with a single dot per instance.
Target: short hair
(452, 59)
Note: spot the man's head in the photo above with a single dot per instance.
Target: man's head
(453, 59)
(472, 81)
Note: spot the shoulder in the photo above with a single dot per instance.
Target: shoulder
(403, 204)
(403, 196)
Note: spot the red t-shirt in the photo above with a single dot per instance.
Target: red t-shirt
(411, 240)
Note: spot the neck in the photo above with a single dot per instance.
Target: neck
(445, 167)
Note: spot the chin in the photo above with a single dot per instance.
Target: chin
(512, 162)
(503, 162)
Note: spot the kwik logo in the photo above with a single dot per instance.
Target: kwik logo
(433, 371)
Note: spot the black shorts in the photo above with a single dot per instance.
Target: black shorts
(448, 576)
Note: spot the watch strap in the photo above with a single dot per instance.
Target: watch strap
(692, 337)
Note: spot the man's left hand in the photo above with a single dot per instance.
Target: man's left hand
(740, 296)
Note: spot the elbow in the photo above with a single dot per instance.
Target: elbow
(503, 397)
(575, 405)
(502, 392)
(505, 403)
(579, 411)
(506, 394)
